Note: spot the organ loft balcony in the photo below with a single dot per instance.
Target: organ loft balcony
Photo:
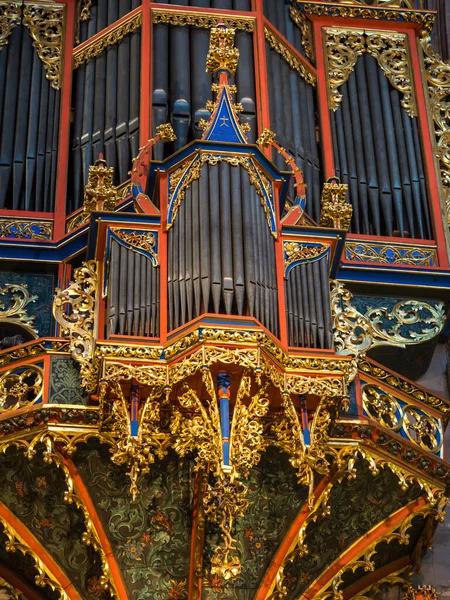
(220, 399)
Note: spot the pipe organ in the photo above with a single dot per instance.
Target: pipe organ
(224, 272)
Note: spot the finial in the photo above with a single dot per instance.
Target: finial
(100, 192)
(222, 55)
(335, 211)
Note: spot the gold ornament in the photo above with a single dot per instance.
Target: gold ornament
(16, 313)
(355, 333)
(335, 211)
(222, 52)
(183, 18)
(305, 26)
(100, 192)
(46, 25)
(10, 17)
(26, 228)
(20, 387)
(93, 48)
(79, 323)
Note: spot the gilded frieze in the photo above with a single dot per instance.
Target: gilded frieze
(390, 254)
(26, 229)
(182, 18)
(93, 48)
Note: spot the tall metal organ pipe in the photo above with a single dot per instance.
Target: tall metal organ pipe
(29, 127)
(221, 253)
(377, 152)
(181, 86)
(106, 104)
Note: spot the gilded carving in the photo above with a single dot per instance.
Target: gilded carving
(343, 48)
(438, 82)
(222, 52)
(424, 19)
(139, 451)
(335, 211)
(295, 252)
(304, 24)
(426, 592)
(355, 333)
(141, 240)
(79, 299)
(200, 431)
(19, 387)
(201, 20)
(26, 229)
(100, 192)
(392, 54)
(390, 254)
(85, 10)
(10, 16)
(292, 60)
(16, 313)
(93, 48)
(407, 387)
(382, 406)
(46, 25)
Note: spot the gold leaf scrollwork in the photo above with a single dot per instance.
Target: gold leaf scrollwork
(390, 49)
(334, 210)
(392, 54)
(100, 192)
(110, 38)
(382, 406)
(16, 313)
(355, 333)
(311, 458)
(197, 428)
(139, 451)
(74, 309)
(305, 26)
(422, 429)
(46, 24)
(20, 387)
(25, 228)
(222, 52)
(343, 47)
(10, 15)
(438, 82)
(201, 20)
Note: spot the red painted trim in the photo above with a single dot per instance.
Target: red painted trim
(376, 576)
(286, 544)
(363, 23)
(322, 98)
(262, 88)
(145, 123)
(428, 151)
(64, 127)
(23, 214)
(362, 544)
(19, 584)
(81, 489)
(163, 183)
(36, 547)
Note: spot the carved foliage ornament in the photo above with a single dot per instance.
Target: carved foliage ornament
(390, 49)
(74, 309)
(201, 20)
(335, 211)
(356, 333)
(20, 387)
(438, 80)
(16, 313)
(225, 499)
(292, 60)
(10, 17)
